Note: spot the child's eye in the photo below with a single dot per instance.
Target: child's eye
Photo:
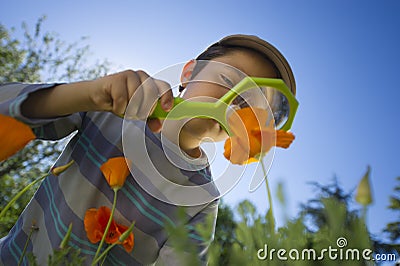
(240, 102)
(226, 80)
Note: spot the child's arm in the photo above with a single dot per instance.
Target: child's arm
(110, 93)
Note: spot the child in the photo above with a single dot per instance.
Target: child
(94, 109)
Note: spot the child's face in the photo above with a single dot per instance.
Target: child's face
(197, 130)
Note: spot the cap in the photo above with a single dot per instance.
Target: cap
(265, 48)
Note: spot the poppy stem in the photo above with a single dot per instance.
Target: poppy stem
(104, 259)
(64, 242)
(364, 214)
(95, 259)
(102, 255)
(16, 197)
(270, 213)
(33, 228)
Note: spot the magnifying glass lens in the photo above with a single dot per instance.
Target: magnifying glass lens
(267, 98)
(279, 105)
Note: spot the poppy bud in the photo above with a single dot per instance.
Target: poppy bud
(364, 193)
(60, 169)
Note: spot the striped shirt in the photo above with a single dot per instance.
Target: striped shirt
(61, 200)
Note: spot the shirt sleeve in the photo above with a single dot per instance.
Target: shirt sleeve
(168, 254)
(12, 95)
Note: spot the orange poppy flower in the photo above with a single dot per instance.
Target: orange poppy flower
(252, 137)
(95, 222)
(14, 135)
(116, 170)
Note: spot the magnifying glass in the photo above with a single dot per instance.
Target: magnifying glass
(250, 91)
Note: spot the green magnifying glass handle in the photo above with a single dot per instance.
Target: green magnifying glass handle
(159, 112)
(218, 110)
(190, 109)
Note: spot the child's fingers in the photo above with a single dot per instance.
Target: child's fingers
(166, 96)
(154, 125)
(144, 92)
(149, 95)
(119, 98)
(132, 82)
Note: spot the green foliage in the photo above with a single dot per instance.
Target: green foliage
(38, 56)
(10, 187)
(225, 234)
(61, 257)
(314, 212)
(323, 221)
(256, 235)
(393, 228)
(179, 239)
(44, 57)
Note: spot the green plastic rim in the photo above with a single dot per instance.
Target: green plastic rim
(217, 110)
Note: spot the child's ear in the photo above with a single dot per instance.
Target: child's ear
(187, 72)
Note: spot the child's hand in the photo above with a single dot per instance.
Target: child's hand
(110, 93)
(113, 92)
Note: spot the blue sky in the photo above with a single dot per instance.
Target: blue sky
(344, 55)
